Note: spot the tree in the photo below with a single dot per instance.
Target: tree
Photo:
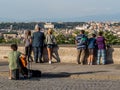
(111, 38)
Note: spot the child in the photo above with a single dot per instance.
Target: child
(13, 59)
(101, 48)
(28, 45)
(91, 47)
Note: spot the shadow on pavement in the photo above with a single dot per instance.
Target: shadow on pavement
(66, 74)
(50, 75)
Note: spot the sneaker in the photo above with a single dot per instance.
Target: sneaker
(9, 78)
(98, 63)
(41, 61)
(81, 63)
(77, 63)
(50, 62)
(91, 63)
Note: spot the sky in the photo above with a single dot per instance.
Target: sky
(52, 9)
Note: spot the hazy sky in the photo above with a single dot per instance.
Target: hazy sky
(57, 8)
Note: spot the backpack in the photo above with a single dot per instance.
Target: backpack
(83, 40)
(36, 73)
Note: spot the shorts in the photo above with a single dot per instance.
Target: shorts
(91, 51)
(49, 46)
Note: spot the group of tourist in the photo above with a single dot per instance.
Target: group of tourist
(94, 46)
(37, 41)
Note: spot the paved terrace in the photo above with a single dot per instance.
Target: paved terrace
(62, 76)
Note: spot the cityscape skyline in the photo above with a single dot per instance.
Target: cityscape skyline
(59, 10)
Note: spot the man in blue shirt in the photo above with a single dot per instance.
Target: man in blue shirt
(37, 43)
(81, 42)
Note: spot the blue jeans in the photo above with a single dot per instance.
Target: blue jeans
(101, 53)
(38, 51)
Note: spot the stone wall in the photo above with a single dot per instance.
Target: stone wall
(66, 54)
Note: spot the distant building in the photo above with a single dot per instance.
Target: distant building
(81, 27)
(11, 27)
(49, 25)
(10, 35)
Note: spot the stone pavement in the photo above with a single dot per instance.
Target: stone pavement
(65, 77)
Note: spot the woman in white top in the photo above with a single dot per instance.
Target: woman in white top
(50, 41)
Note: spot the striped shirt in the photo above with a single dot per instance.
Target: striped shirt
(81, 41)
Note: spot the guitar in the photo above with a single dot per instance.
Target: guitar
(23, 60)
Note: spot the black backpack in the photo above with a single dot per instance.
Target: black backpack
(36, 73)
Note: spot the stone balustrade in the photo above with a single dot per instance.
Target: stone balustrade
(65, 53)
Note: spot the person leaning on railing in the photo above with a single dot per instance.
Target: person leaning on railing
(38, 43)
(81, 43)
(28, 45)
(51, 42)
(101, 48)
